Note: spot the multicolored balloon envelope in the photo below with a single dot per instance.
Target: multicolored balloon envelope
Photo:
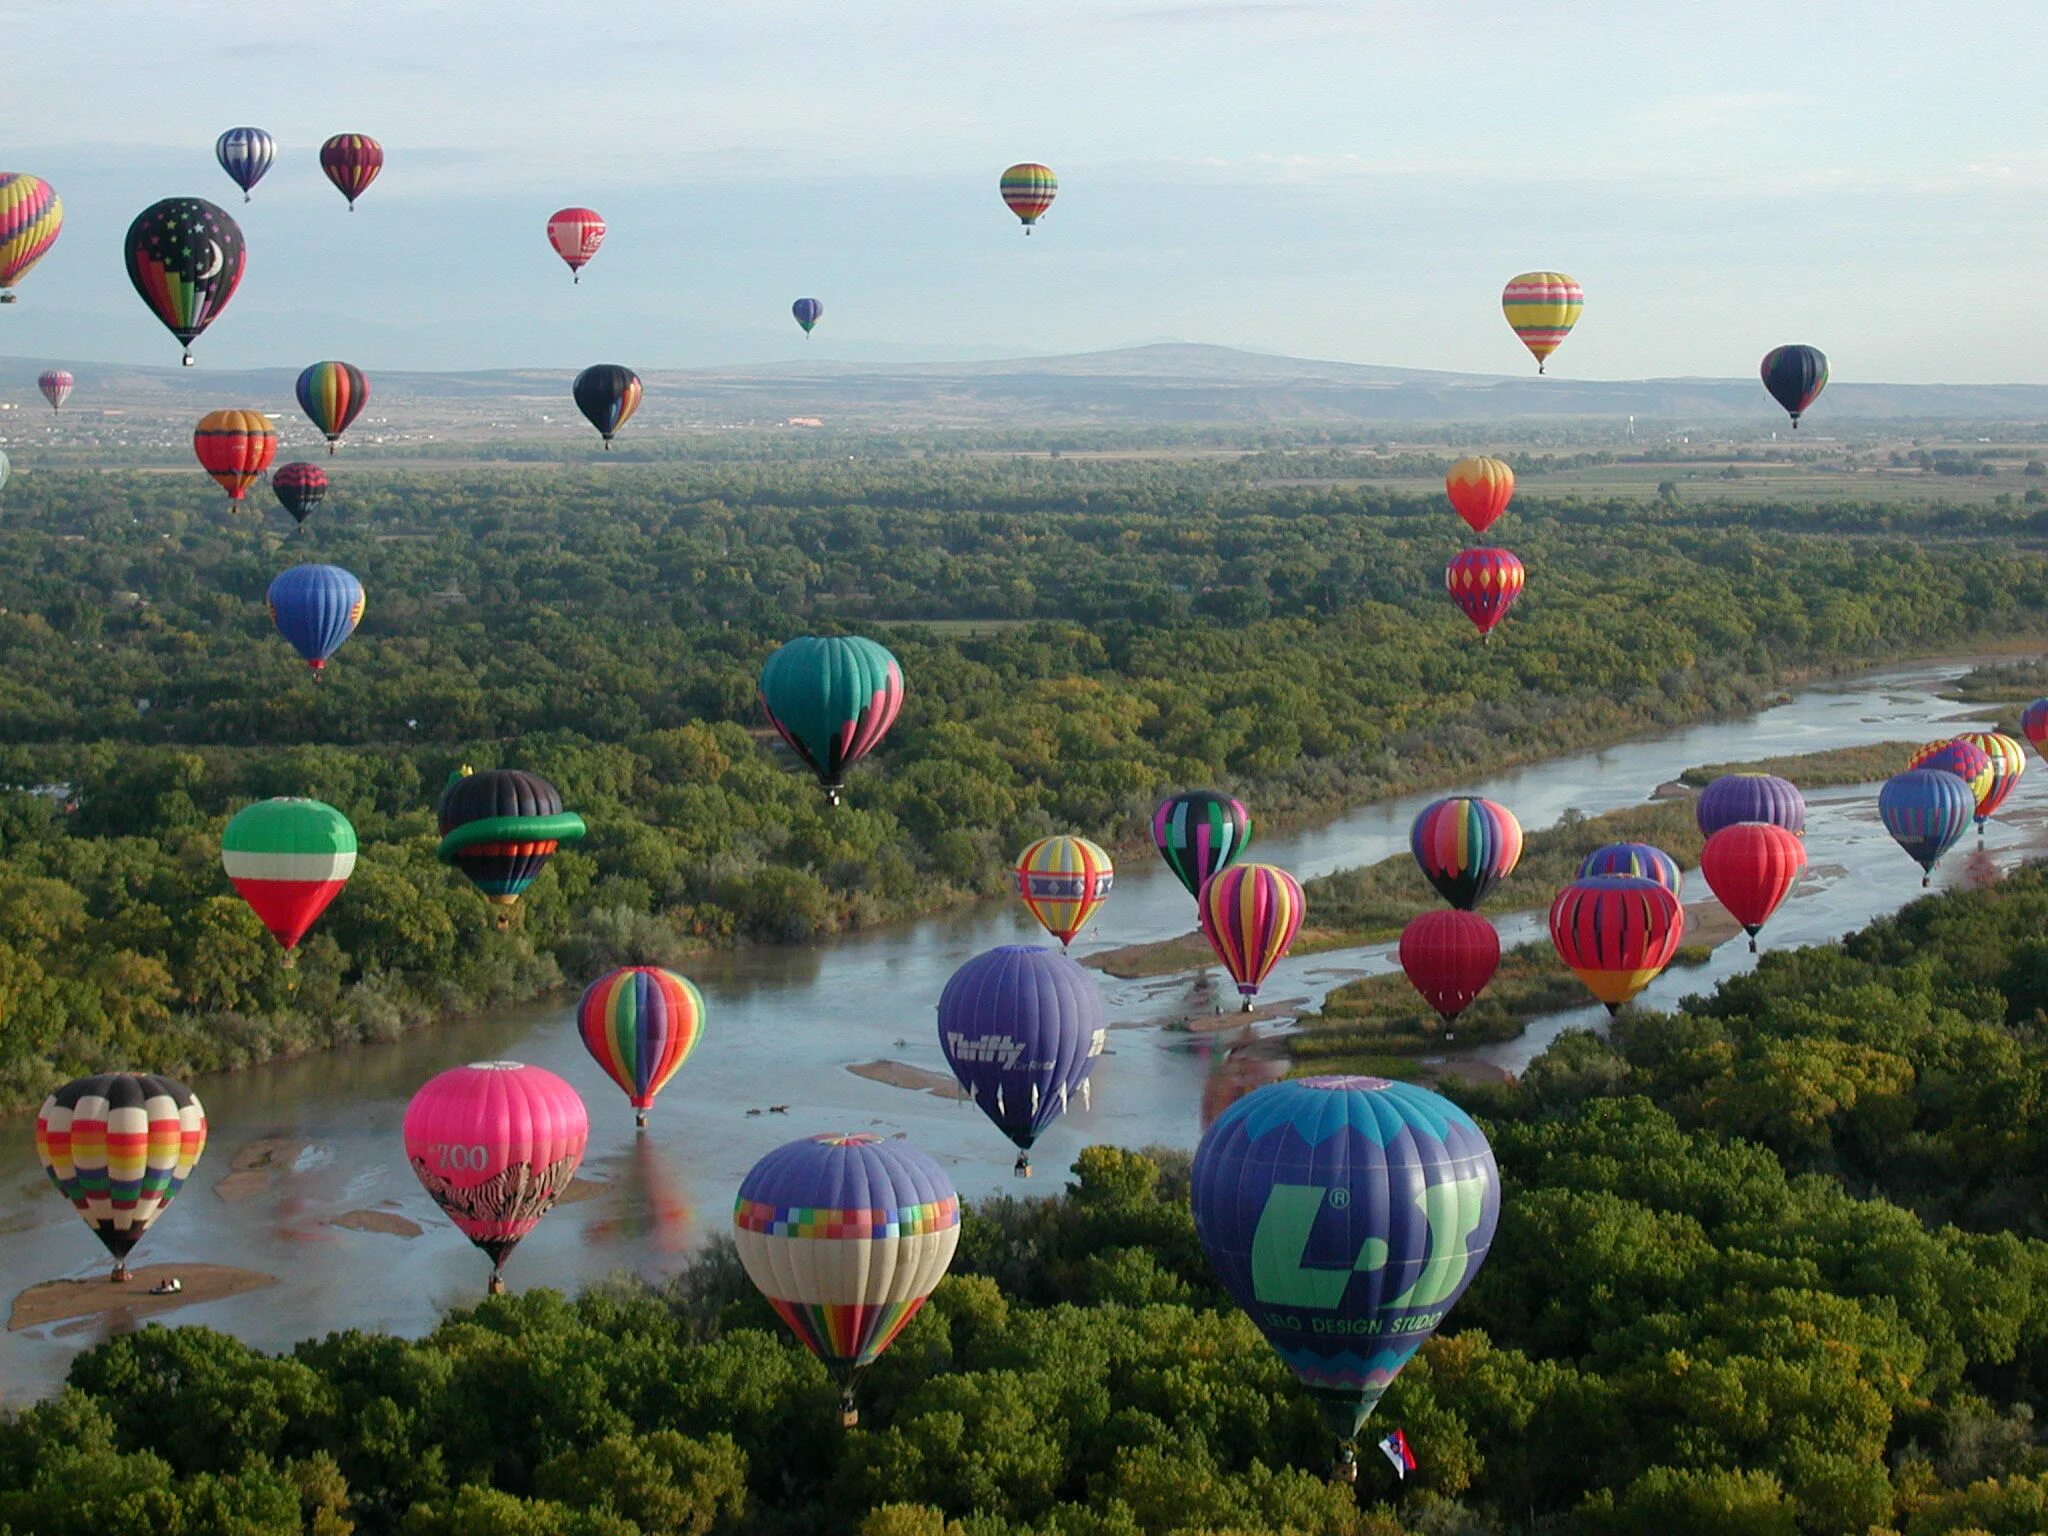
(1449, 956)
(1021, 1026)
(831, 700)
(1795, 376)
(1028, 189)
(2034, 725)
(299, 488)
(607, 394)
(1200, 832)
(500, 828)
(1644, 859)
(808, 313)
(1484, 583)
(846, 1236)
(119, 1146)
(1750, 867)
(1616, 933)
(288, 858)
(185, 257)
(576, 233)
(2008, 762)
(640, 1024)
(496, 1144)
(1346, 1215)
(1064, 881)
(351, 161)
(245, 154)
(56, 385)
(1250, 914)
(1736, 797)
(316, 608)
(1965, 759)
(1542, 308)
(1480, 490)
(333, 395)
(1926, 810)
(31, 217)
(234, 447)
(1465, 846)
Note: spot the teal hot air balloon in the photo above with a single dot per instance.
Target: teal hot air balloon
(1346, 1215)
(831, 700)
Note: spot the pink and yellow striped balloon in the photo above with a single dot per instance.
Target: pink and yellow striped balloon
(1250, 914)
(1028, 190)
(2008, 762)
(1542, 307)
(640, 1024)
(31, 217)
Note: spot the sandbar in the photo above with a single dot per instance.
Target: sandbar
(58, 1301)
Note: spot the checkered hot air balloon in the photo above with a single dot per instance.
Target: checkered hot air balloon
(288, 858)
(119, 1146)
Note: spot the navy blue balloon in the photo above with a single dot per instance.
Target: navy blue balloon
(1021, 1026)
(1926, 810)
(245, 154)
(316, 607)
(1740, 797)
(1346, 1215)
(808, 313)
(1644, 860)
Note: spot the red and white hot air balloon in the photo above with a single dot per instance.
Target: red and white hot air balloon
(55, 383)
(576, 233)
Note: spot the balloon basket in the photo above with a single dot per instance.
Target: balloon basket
(1752, 943)
(289, 960)
(121, 1276)
(639, 1119)
(497, 1285)
(849, 1410)
(187, 362)
(1344, 1469)
(1022, 1167)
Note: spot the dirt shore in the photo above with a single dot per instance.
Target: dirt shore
(900, 1074)
(127, 1303)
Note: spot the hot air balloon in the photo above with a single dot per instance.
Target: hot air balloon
(576, 233)
(333, 395)
(1616, 933)
(1735, 797)
(288, 858)
(1965, 759)
(56, 386)
(1063, 880)
(245, 154)
(808, 313)
(640, 1024)
(607, 395)
(1021, 1026)
(1449, 956)
(1926, 810)
(185, 257)
(831, 700)
(496, 1143)
(31, 217)
(1542, 307)
(1028, 190)
(1795, 376)
(1346, 1215)
(351, 161)
(1480, 490)
(846, 1236)
(119, 1146)
(500, 828)
(1465, 846)
(235, 447)
(1484, 583)
(316, 608)
(1644, 859)
(1250, 914)
(2008, 762)
(1750, 868)
(299, 488)
(2034, 725)
(1199, 832)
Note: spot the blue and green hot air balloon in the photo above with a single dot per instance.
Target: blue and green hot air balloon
(1926, 810)
(1346, 1215)
(831, 700)
(808, 313)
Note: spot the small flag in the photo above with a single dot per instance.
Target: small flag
(1395, 1449)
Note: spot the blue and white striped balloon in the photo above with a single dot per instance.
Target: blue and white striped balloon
(245, 154)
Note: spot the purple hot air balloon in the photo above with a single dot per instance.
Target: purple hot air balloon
(1021, 1026)
(1738, 797)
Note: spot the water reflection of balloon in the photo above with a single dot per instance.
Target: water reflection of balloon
(648, 1204)
(1233, 1073)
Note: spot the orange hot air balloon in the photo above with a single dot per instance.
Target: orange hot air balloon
(235, 447)
(1480, 490)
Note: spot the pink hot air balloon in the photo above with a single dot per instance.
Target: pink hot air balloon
(576, 233)
(56, 384)
(496, 1143)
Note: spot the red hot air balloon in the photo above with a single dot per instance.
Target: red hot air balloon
(1450, 957)
(351, 161)
(1480, 490)
(576, 233)
(1750, 867)
(496, 1143)
(1616, 933)
(235, 447)
(56, 385)
(1484, 583)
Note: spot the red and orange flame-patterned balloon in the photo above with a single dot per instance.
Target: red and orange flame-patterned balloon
(1484, 583)
(235, 447)
(1480, 490)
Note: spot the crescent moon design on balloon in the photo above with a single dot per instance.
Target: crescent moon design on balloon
(220, 259)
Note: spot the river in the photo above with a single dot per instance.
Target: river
(784, 1024)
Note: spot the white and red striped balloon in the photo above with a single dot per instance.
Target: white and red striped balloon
(576, 233)
(56, 385)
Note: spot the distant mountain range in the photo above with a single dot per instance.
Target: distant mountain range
(1167, 384)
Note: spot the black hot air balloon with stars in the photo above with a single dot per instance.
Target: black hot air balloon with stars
(185, 257)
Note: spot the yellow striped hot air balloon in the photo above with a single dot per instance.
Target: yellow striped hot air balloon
(1542, 307)
(1063, 880)
(31, 214)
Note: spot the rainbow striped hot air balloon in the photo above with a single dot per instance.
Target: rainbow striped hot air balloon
(288, 858)
(1966, 760)
(31, 217)
(2008, 762)
(333, 395)
(1063, 880)
(1616, 933)
(119, 1146)
(1250, 914)
(640, 1024)
(1465, 847)
(1542, 307)
(846, 1236)
(1028, 190)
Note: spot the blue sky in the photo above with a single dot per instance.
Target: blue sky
(1346, 180)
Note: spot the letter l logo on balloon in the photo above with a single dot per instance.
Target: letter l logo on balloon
(1280, 1244)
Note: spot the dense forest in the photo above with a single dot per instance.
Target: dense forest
(1770, 1266)
(1079, 638)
